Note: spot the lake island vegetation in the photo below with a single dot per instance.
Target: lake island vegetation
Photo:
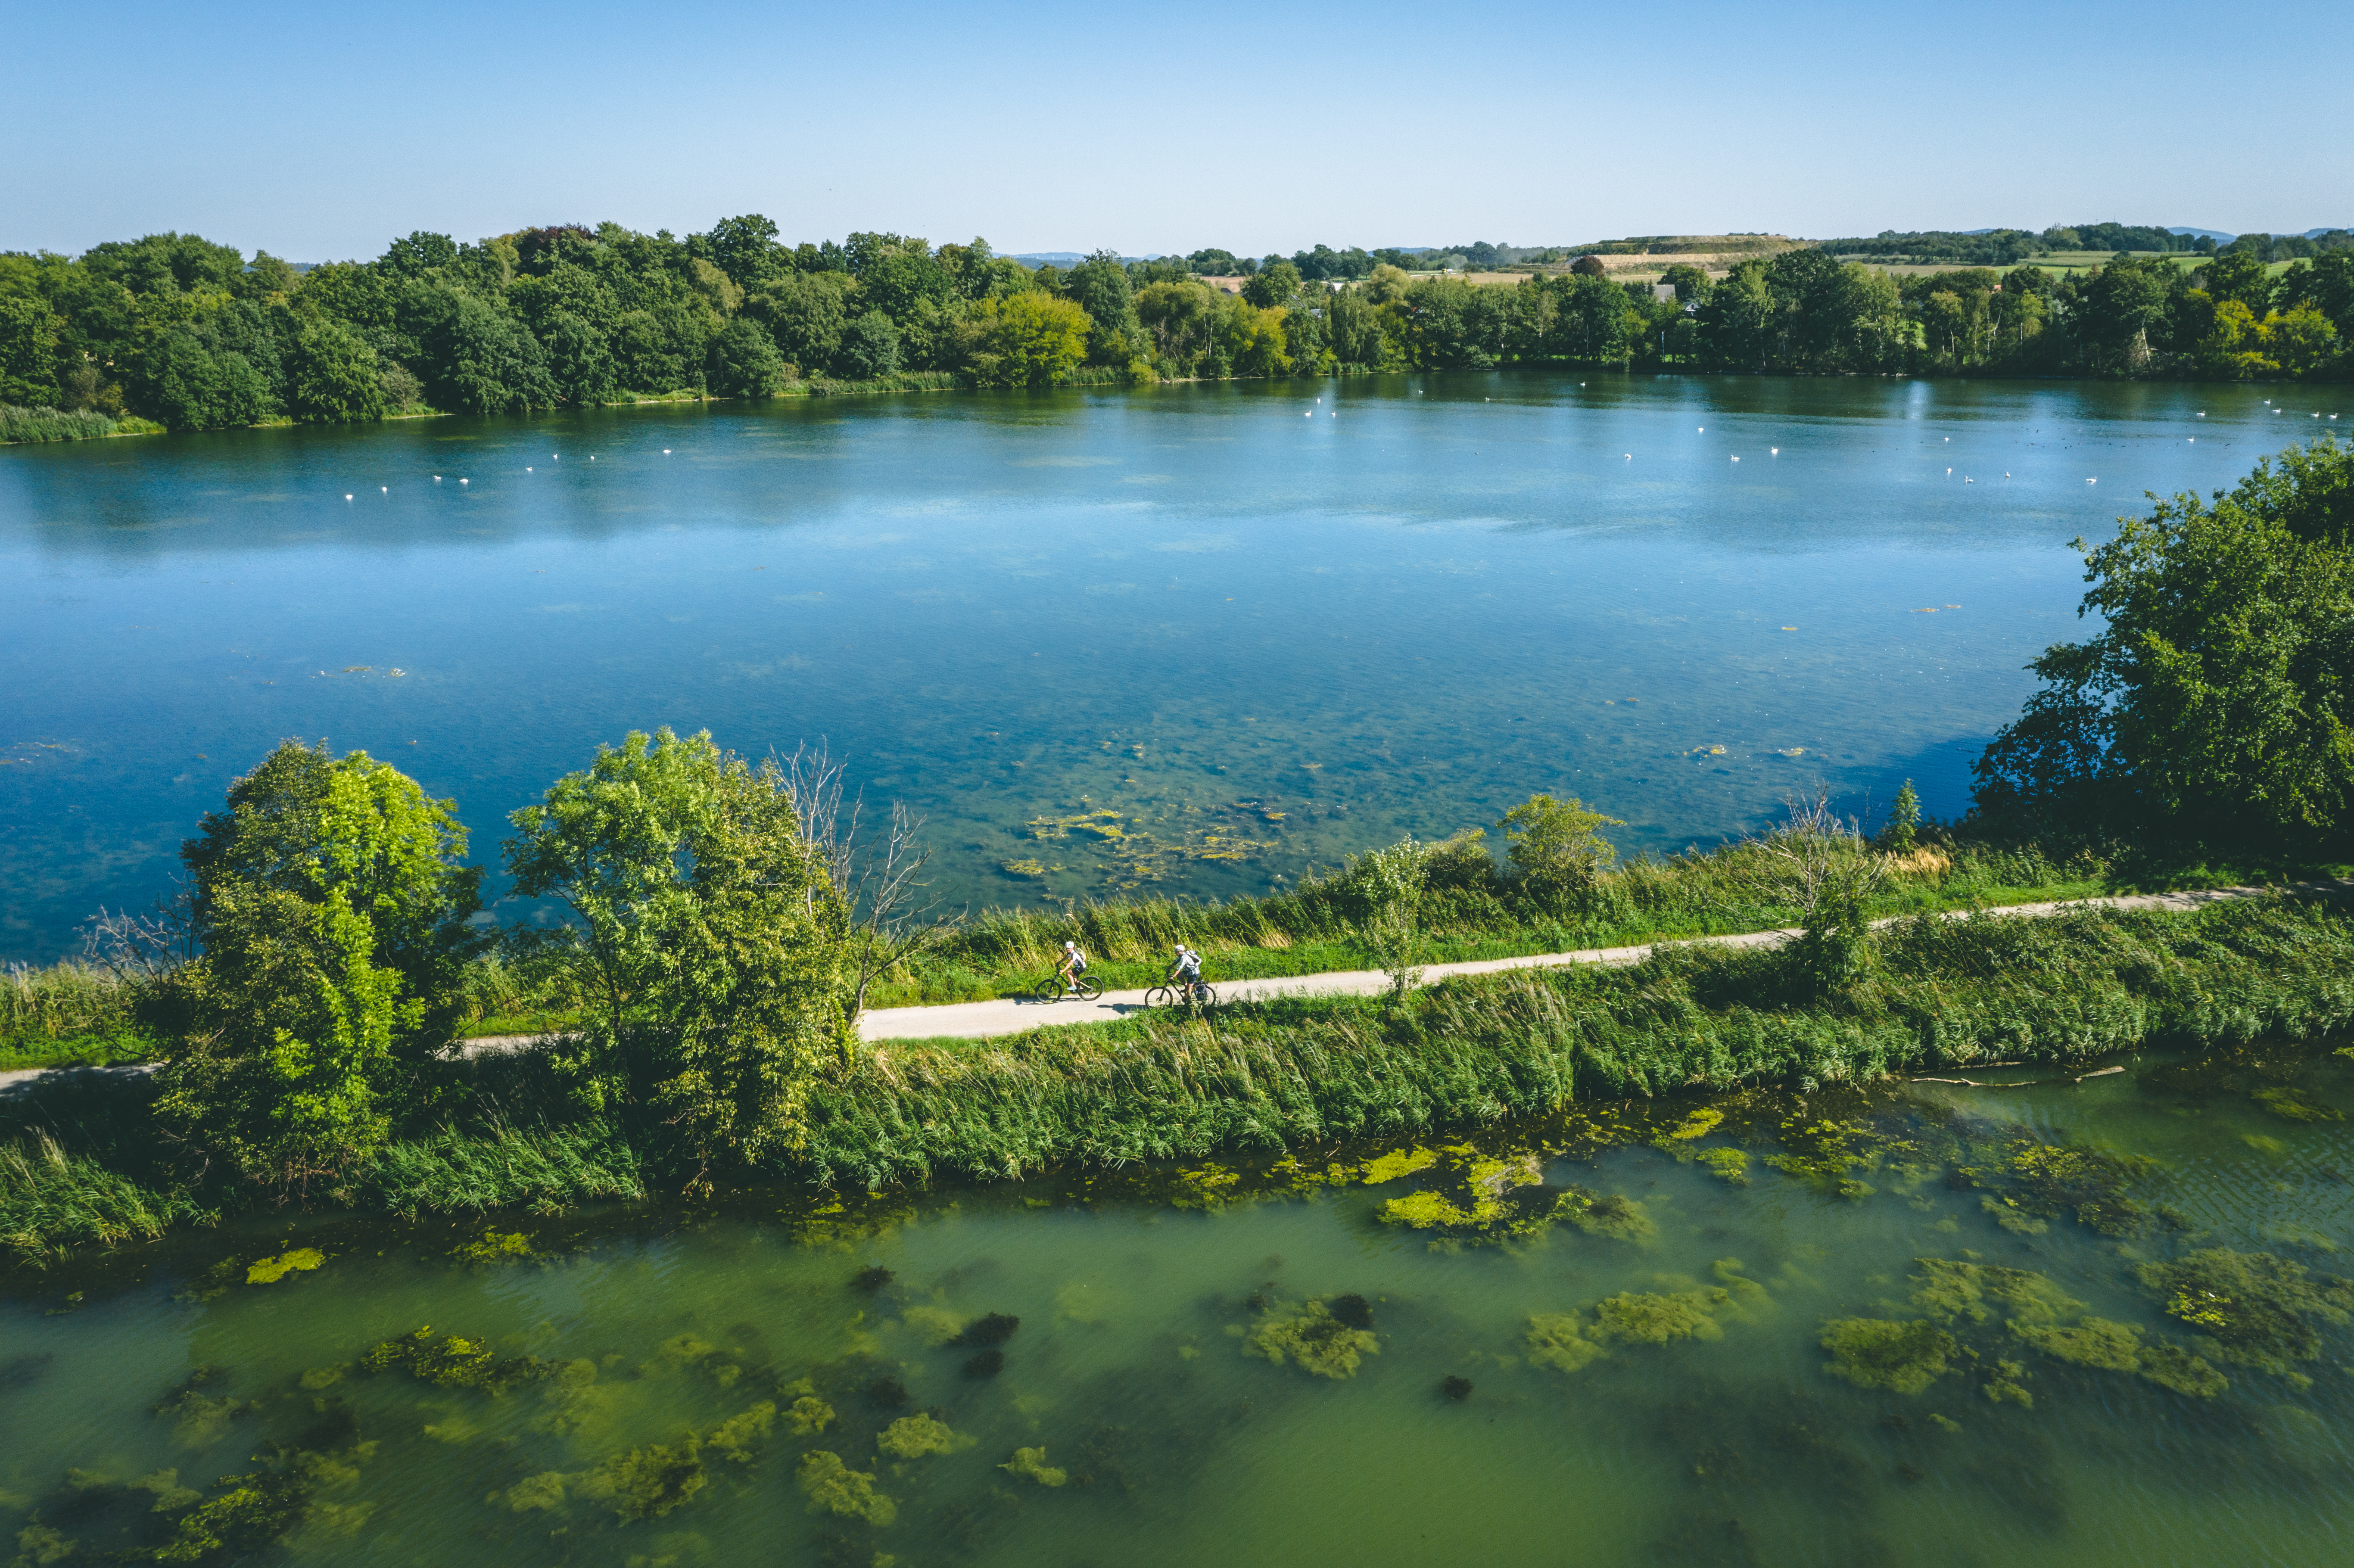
(176, 332)
(723, 929)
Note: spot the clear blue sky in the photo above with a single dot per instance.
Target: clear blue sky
(320, 131)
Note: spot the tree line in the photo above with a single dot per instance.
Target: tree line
(199, 336)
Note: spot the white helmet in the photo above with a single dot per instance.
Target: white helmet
(1070, 944)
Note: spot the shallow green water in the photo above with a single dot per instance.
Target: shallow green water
(1298, 635)
(1132, 1368)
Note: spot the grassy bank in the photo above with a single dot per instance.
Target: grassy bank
(1299, 1075)
(73, 1014)
(1469, 1051)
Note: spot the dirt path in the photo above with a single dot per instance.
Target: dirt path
(988, 1020)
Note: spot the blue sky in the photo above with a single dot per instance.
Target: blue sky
(321, 131)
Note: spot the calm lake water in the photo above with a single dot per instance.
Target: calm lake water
(132, 1383)
(1283, 623)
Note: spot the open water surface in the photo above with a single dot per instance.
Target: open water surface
(132, 1383)
(1266, 624)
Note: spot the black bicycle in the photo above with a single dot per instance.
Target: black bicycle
(1200, 993)
(1052, 988)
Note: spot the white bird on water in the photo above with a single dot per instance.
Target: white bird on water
(347, 498)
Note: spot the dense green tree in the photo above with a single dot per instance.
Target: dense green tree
(332, 376)
(1100, 286)
(332, 910)
(870, 347)
(744, 363)
(2218, 697)
(29, 350)
(1273, 286)
(746, 249)
(483, 361)
(1557, 849)
(1030, 339)
(707, 927)
(190, 388)
(579, 359)
(2238, 275)
(806, 315)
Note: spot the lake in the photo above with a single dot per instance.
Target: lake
(1078, 1370)
(1271, 624)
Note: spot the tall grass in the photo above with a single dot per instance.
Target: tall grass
(51, 1201)
(503, 1167)
(1282, 1076)
(52, 424)
(1472, 910)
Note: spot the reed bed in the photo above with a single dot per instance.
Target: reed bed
(500, 1166)
(18, 424)
(51, 1201)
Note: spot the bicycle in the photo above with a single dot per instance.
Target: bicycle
(1201, 993)
(1052, 988)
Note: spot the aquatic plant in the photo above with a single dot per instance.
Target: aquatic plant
(2053, 1178)
(1397, 1163)
(494, 1248)
(2259, 1309)
(255, 1509)
(648, 1482)
(1558, 1339)
(938, 1325)
(1875, 1352)
(832, 1487)
(1730, 1166)
(1619, 1218)
(1353, 1309)
(271, 1270)
(2005, 1384)
(1952, 1290)
(990, 1329)
(808, 1415)
(534, 1494)
(872, 1279)
(2293, 1104)
(454, 1361)
(987, 1364)
(1031, 1464)
(913, 1436)
(889, 1393)
(200, 1418)
(1454, 1387)
(1698, 1124)
(741, 1436)
(1641, 1318)
(1314, 1340)
(2118, 1347)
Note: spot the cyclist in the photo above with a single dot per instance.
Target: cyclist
(1185, 970)
(1074, 965)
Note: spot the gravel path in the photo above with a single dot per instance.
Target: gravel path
(987, 1019)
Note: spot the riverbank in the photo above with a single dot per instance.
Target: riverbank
(1300, 1075)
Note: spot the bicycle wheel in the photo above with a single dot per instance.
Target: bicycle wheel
(1206, 995)
(1091, 989)
(1158, 996)
(1049, 989)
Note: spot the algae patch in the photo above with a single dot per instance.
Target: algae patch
(1031, 1464)
(832, 1487)
(271, 1270)
(914, 1437)
(1315, 1340)
(1875, 1352)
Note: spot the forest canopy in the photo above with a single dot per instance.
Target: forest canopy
(198, 336)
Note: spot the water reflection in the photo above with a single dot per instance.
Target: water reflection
(1370, 606)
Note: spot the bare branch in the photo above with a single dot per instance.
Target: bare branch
(878, 875)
